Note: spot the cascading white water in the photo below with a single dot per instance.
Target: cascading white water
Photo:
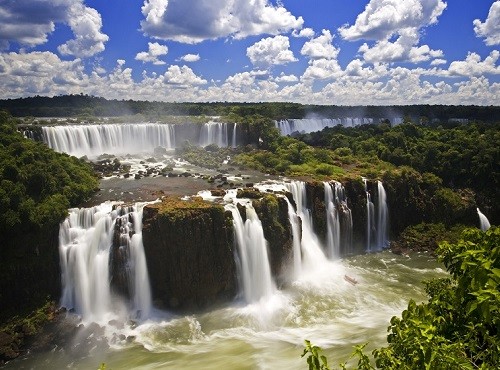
(484, 223)
(93, 140)
(332, 223)
(307, 125)
(234, 138)
(382, 217)
(345, 217)
(214, 133)
(312, 254)
(296, 234)
(254, 268)
(370, 217)
(85, 242)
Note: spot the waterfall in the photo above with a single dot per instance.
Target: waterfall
(214, 133)
(382, 217)
(253, 262)
(332, 223)
(370, 218)
(307, 125)
(312, 254)
(296, 234)
(233, 141)
(100, 250)
(484, 223)
(93, 140)
(345, 217)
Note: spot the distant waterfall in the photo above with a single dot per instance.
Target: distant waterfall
(332, 223)
(93, 140)
(214, 133)
(382, 217)
(307, 125)
(312, 253)
(102, 257)
(484, 223)
(254, 269)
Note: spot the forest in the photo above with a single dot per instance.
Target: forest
(90, 106)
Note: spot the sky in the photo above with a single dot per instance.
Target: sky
(334, 52)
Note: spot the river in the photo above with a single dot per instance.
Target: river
(321, 306)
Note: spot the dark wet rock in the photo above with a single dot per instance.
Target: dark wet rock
(189, 251)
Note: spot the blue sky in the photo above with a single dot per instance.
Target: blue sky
(372, 52)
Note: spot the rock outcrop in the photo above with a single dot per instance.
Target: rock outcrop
(189, 252)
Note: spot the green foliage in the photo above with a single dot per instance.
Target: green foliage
(461, 155)
(315, 360)
(37, 185)
(425, 237)
(458, 327)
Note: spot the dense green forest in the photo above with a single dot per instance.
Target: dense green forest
(89, 106)
(37, 185)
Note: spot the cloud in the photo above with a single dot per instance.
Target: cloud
(193, 21)
(286, 78)
(182, 76)
(44, 73)
(322, 69)
(155, 50)
(320, 47)
(39, 73)
(386, 20)
(400, 50)
(305, 32)
(490, 29)
(271, 51)
(86, 24)
(29, 23)
(437, 62)
(190, 58)
(473, 66)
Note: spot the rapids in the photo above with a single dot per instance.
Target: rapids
(320, 306)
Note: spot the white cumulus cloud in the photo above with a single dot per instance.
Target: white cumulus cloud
(155, 50)
(190, 58)
(473, 66)
(193, 21)
(29, 23)
(490, 29)
(182, 76)
(305, 32)
(395, 27)
(86, 24)
(320, 47)
(271, 51)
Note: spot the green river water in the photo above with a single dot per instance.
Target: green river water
(322, 307)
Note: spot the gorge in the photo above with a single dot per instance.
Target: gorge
(234, 274)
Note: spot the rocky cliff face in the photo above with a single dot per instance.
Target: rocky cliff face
(29, 272)
(189, 252)
(190, 249)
